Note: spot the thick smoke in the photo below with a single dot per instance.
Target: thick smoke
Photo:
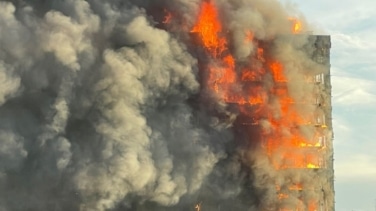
(102, 108)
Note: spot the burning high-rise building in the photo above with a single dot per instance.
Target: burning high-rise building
(163, 105)
(281, 95)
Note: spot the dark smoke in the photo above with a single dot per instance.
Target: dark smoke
(100, 107)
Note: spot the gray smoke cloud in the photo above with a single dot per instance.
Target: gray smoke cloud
(101, 107)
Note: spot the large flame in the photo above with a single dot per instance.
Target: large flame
(209, 28)
(222, 68)
(286, 147)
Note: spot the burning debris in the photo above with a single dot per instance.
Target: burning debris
(163, 105)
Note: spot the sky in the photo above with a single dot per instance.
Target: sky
(352, 26)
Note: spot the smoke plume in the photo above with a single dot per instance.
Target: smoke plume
(105, 105)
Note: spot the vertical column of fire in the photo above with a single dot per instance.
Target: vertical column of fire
(222, 70)
(287, 147)
(221, 67)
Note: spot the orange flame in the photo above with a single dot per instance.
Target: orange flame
(282, 196)
(297, 26)
(209, 28)
(277, 71)
(312, 206)
(296, 187)
(285, 146)
(284, 140)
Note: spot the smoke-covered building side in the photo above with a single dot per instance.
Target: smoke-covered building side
(202, 105)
